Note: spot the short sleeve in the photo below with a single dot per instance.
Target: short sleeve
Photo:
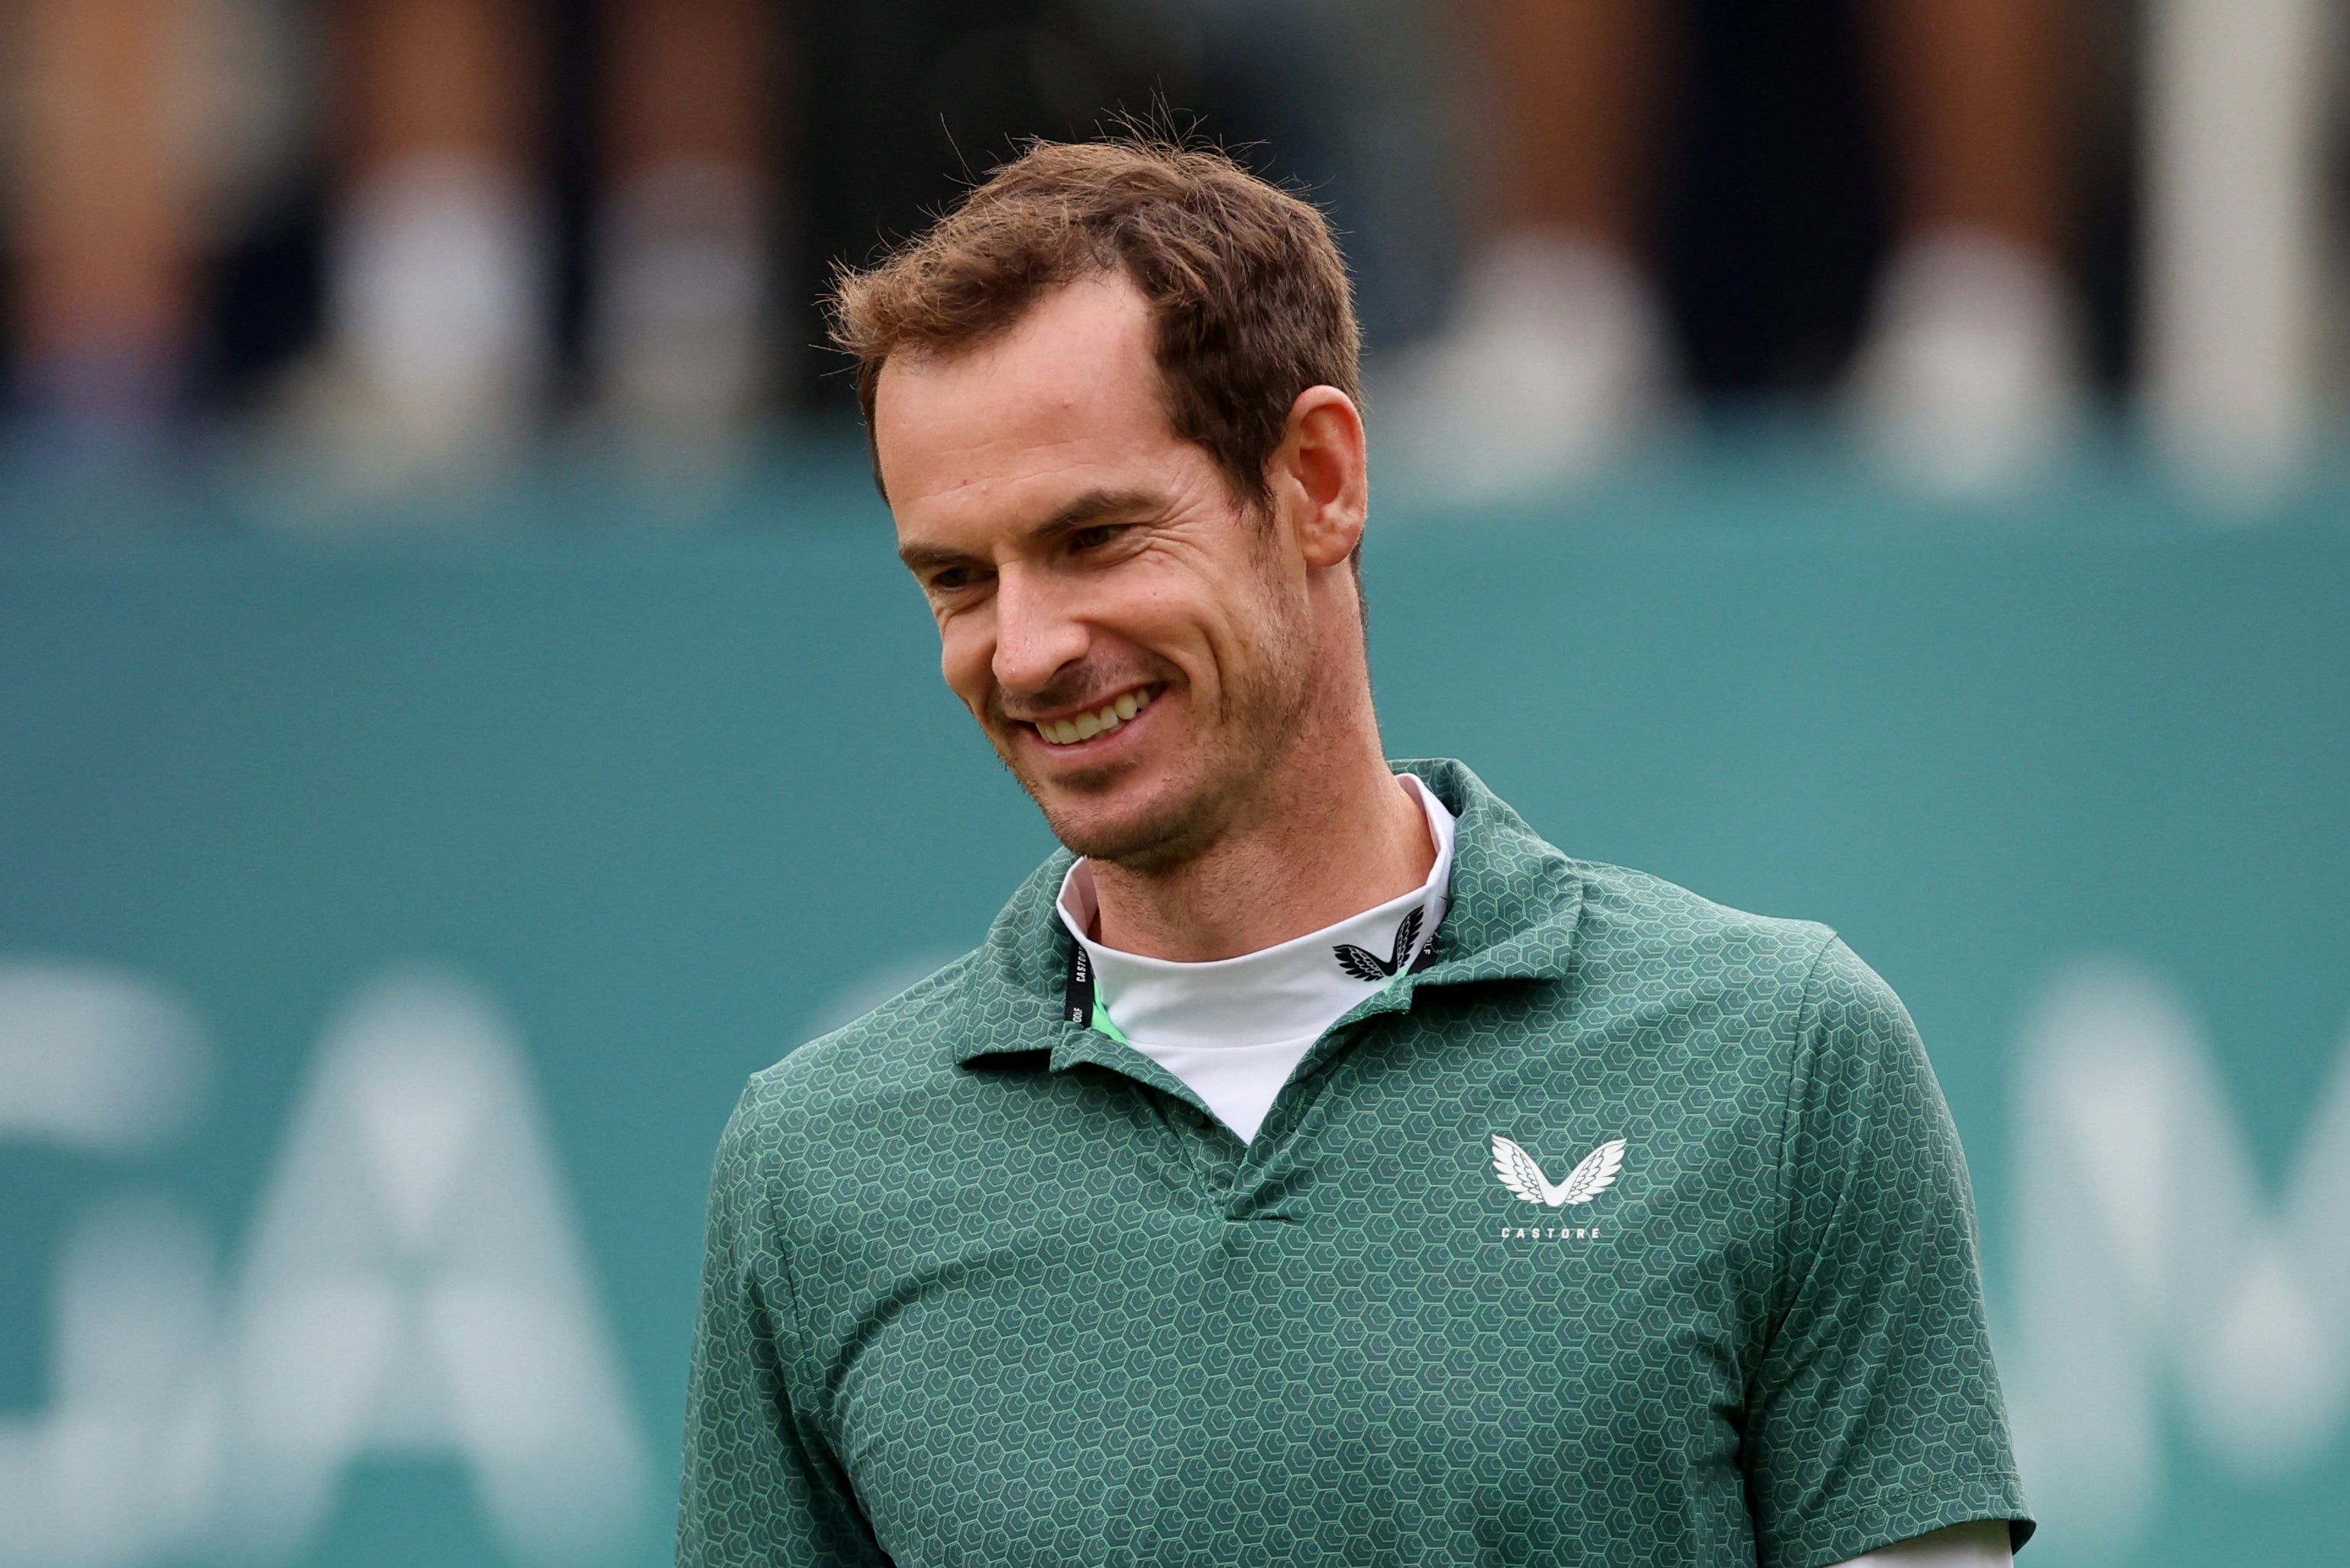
(1875, 1412)
(759, 1487)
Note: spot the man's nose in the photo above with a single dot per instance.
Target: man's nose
(1038, 633)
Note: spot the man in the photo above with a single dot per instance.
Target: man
(1313, 1164)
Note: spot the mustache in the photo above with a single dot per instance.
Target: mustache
(1079, 686)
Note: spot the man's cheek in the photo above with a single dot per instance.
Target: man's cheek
(962, 662)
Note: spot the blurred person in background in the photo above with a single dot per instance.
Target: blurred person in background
(1556, 356)
(104, 288)
(449, 215)
(136, 123)
(439, 272)
(438, 320)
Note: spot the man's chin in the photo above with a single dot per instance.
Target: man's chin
(1127, 821)
(1147, 811)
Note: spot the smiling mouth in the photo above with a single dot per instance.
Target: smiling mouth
(1100, 721)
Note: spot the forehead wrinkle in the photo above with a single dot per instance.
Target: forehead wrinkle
(960, 485)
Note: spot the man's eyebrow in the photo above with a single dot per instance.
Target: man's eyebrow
(920, 558)
(1087, 510)
(1091, 507)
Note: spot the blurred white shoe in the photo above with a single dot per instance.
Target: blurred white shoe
(436, 348)
(1969, 381)
(678, 341)
(1552, 364)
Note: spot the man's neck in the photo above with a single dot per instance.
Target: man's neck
(1332, 841)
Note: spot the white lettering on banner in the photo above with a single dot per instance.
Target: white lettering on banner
(2145, 1259)
(123, 1465)
(415, 1284)
(120, 1466)
(94, 1059)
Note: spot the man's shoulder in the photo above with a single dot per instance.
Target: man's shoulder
(901, 1050)
(1633, 920)
(1648, 944)
(1725, 986)
(1516, 890)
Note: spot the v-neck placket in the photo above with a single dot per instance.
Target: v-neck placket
(1224, 1164)
(1212, 1150)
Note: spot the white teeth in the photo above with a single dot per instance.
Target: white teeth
(1085, 726)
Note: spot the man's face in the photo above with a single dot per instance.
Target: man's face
(1132, 638)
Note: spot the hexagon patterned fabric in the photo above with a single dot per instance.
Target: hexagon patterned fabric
(987, 1287)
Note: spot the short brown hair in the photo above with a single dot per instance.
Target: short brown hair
(1250, 302)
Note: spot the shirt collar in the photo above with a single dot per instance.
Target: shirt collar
(1514, 904)
(1290, 991)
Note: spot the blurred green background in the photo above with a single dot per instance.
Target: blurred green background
(668, 800)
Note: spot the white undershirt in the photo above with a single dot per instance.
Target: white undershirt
(1233, 1030)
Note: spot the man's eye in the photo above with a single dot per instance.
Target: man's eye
(1094, 538)
(954, 577)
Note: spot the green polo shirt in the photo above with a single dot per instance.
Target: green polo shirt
(986, 1286)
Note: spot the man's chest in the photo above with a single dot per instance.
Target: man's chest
(1386, 1319)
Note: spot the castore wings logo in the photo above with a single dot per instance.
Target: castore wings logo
(1520, 1173)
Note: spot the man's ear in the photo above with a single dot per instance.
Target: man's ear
(1320, 475)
